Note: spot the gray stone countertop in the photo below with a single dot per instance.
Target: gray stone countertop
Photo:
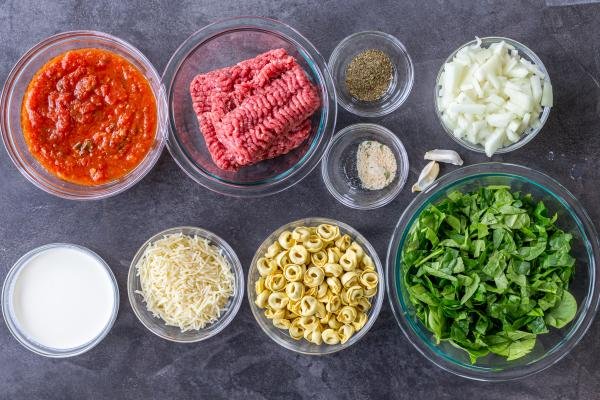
(241, 362)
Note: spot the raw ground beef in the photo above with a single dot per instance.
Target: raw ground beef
(257, 109)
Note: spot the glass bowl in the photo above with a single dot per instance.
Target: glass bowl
(340, 175)
(12, 321)
(531, 132)
(223, 44)
(12, 97)
(550, 347)
(157, 325)
(282, 337)
(402, 79)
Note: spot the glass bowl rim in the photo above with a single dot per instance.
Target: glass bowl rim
(328, 109)
(323, 349)
(591, 243)
(378, 130)
(525, 137)
(402, 51)
(86, 192)
(10, 319)
(236, 268)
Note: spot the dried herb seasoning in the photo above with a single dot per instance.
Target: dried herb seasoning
(368, 75)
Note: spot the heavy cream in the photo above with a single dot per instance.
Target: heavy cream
(63, 298)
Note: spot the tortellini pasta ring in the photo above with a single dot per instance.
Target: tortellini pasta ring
(314, 276)
(294, 290)
(334, 304)
(314, 244)
(332, 269)
(345, 332)
(273, 250)
(319, 258)
(275, 282)
(296, 331)
(360, 321)
(293, 272)
(314, 336)
(308, 306)
(349, 279)
(347, 315)
(309, 323)
(330, 336)
(349, 260)
(298, 254)
(369, 279)
(358, 250)
(300, 234)
(278, 300)
(286, 240)
(370, 292)
(355, 294)
(282, 259)
(265, 267)
(262, 298)
(343, 242)
(334, 284)
(328, 232)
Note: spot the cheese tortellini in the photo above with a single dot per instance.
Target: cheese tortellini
(317, 284)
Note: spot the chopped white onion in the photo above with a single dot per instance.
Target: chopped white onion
(492, 96)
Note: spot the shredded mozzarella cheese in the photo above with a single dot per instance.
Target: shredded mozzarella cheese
(185, 280)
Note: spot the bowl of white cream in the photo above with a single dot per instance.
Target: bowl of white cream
(60, 300)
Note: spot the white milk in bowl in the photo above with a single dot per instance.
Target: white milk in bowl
(63, 297)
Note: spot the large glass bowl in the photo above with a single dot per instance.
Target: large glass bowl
(223, 44)
(550, 347)
(12, 98)
(282, 337)
(173, 333)
(529, 133)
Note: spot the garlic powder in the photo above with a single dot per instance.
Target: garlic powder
(376, 165)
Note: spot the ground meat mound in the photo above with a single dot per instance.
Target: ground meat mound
(255, 110)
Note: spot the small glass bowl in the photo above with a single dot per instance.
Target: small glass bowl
(340, 175)
(402, 79)
(11, 319)
(16, 86)
(222, 44)
(530, 133)
(173, 333)
(282, 337)
(550, 347)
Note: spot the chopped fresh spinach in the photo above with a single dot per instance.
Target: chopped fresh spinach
(488, 271)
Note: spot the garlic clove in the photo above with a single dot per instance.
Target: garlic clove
(427, 176)
(445, 156)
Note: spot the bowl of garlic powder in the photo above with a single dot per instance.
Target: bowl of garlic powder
(365, 166)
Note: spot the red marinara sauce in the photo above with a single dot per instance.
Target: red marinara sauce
(89, 116)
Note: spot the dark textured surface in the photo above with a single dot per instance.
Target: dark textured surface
(242, 363)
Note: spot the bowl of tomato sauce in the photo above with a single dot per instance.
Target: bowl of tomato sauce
(84, 115)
